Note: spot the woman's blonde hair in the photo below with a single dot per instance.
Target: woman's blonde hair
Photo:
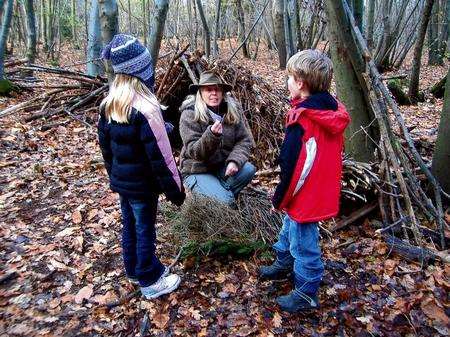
(201, 113)
(118, 104)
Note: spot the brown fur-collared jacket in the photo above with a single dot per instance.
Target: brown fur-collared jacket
(203, 151)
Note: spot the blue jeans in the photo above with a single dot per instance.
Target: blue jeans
(138, 239)
(298, 247)
(217, 186)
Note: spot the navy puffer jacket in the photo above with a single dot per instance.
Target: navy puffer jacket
(138, 156)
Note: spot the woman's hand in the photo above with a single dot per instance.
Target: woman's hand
(232, 169)
(216, 128)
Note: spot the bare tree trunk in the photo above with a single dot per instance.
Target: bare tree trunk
(74, 22)
(241, 21)
(278, 25)
(130, 31)
(358, 12)
(144, 24)
(297, 26)
(434, 48)
(216, 29)
(44, 25)
(5, 86)
(205, 28)
(348, 65)
(413, 91)
(94, 44)
(441, 156)
(86, 29)
(157, 29)
(109, 23)
(31, 31)
(370, 23)
(288, 28)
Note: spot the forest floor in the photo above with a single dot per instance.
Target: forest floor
(60, 244)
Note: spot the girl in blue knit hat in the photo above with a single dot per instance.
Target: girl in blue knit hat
(139, 161)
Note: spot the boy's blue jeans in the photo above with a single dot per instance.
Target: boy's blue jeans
(138, 239)
(298, 247)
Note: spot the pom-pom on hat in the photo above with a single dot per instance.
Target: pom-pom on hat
(128, 56)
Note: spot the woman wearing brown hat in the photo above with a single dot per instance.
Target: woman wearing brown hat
(216, 141)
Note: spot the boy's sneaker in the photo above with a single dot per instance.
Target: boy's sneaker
(165, 285)
(134, 280)
(297, 301)
(274, 272)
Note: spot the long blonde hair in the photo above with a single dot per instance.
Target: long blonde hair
(119, 101)
(201, 113)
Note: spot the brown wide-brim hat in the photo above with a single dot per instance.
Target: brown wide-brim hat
(210, 78)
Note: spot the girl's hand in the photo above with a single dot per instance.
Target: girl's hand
(232, 169)
(216, 128)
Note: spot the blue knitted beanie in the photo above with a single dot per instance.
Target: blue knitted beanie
(128, 56)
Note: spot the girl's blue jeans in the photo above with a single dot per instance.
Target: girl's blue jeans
(298, 248)
(138, 239)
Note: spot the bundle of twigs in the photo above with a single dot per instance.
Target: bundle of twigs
(402, 193)
(67, 93)
(202, 219)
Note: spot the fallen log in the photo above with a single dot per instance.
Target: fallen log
(438, 89)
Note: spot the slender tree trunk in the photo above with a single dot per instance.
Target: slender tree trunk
(348, 65)
(86, 27)
(145, 23)
(448, 27)
(358, 12)
(279, 32)
(241, 21)
(205, 28)
(129, 18)
(5, 85)
(297, 23)
(44, 25)
(413, 91)
(441, 156)
(434, 56)
(94, 45)
(193, 42)
(216, 30)
(370, 23)
(74, 22)
(31, 31)
(288, 29)
(156, 30)
(109, 23)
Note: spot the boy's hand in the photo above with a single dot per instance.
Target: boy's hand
(216, 128)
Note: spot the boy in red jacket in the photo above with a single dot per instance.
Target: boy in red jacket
(311, 164)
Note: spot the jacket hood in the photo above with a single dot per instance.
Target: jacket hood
(324, 110)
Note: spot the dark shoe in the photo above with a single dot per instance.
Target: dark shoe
(297, 301)
(274, 272)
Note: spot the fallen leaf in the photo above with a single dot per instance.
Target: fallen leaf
(76, 217)
(277, 320)
(83, 294)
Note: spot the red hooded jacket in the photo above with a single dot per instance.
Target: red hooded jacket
(311, 159)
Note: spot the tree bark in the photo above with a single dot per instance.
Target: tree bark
(4, 31)
(441, 156)
(109, 23)
(31, 31)
(94, 44)
(205, 28)
(347, 64)
(156, 30)
(358, 12)
(74, 22)
(413, 91)
(216, 29)
(370, 23)
(279, 31)
(434, 46)
(241, 21)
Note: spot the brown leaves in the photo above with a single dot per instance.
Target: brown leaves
(434, 311)
(76, 217)
(84, 294)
